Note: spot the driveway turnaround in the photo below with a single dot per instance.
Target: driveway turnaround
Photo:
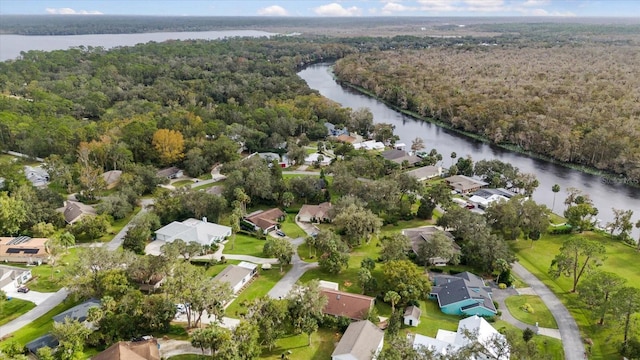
(571, 339)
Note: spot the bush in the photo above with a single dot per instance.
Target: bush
(502, 286)
(454, 271)
(437, 270)
(528, 308)
(561, 230)
(495, 304)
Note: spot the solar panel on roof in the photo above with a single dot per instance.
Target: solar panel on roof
(19, 240)
(30, 251)
(13, 250)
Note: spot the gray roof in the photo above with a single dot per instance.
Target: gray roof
(46, 340)
(171, 171)
(399, 156)
(422, 234)
(425, 172)
(361, 340)
(464, 183)
(413, 311)
(233, 274)
(486, 193)
(74, 210)
(78, 312)
(451, 289)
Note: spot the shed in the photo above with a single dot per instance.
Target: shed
(412, 316)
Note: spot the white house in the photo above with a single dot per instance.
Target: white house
(237, 275)
(361, 341)
(37, 175)
(369, 145)
(200, 231)
(314, 158)
(470, 330)
(412, 316)
(13, 275)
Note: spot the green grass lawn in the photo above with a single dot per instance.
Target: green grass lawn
(117, 225)
(621, 259)
(258, 288)
(244, 245)
(541, 314)
(305, 253)
(13, 308)
(433, 319)
(322, 345)
(401, 225)
(41, 325)
(217, 268)
(47, 280)
(290, 227)
(190, 357)
(546, 345)
(181, 183)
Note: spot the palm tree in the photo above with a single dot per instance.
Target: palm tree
(556, 189)
(393, 297)
(453, 157)
(234, 219)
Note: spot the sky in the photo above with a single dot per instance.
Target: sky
(319, 8)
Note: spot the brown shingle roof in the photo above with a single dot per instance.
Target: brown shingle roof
(318, 212)
(265, 219)
(125, 350)
(353, 306)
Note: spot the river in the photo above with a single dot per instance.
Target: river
(606, 194)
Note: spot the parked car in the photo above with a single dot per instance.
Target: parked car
(23, 289)
(280, 233)
(470, 206)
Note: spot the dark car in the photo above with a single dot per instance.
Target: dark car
(23, 289)
(470, 206)
(280, 233)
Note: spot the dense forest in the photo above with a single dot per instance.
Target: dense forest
(576, 104)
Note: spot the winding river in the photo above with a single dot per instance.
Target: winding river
(605, 193)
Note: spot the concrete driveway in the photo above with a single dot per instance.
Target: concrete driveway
(33, 296)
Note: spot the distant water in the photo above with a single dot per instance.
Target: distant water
(12, 45)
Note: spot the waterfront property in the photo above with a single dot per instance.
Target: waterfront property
(426, 172)
(463, 294)
(361, 341)
(464, 184)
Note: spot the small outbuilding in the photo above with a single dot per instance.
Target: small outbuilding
(412, 316)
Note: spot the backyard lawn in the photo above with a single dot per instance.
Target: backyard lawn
(258, 288)
(41, 325)
(621, 259)
(322, 345)
(290, 227)
(546, 345)
(13, 308)
(541, 314)
(244, 245)
(47, 280)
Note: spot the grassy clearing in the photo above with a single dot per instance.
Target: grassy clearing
(305, 253)
(290, 227)
(258, 288)
(322, 345)
(13, 308)
(46, 279)
(621, 259)
(41, 325)
(433, 319)
(546, 345)
(244, 245)
(401, 225)
(541, 315)
(181, 183)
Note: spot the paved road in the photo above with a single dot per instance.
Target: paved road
(117, 240)
(571, 339)
(35, 313)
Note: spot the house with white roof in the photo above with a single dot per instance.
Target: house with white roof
(369, 145)
(200, 231)
(471, 330)
(237, 276)
(314, 158)
(37, 175)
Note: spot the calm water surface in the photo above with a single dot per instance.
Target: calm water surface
(605, 193)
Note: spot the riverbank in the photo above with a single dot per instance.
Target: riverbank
(606, 177)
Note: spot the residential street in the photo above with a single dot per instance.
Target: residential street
(571, 339)
(117, 240)
(282, 287)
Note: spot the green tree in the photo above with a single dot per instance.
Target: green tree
(357, 223)
(555, 189)
(135, 239)
(392, 297)
(361, 121)
(245, 336)
(405, 278)
(72, 333)
(438, 245)
(621, 222)
(625, 303)
(364, 278)
(395, 247)
(597, 289)
(305, 308)
(334, 253)
(267, 313)
(12, 214)
(368, 263)
(577, 256)
(280, 249)
(217, 339)
(43, 229)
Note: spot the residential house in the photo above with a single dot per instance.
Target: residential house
(332, 130)
(361, 341)
(315, 213)
(464, 184)
(13, 275)
(316, 158)
(47, 340)
(23, 249)
(369, 145)
(485, 197)
(79, 312)
(111, 178)
(265, 220)
(353, 306)
(345, 138)
(170, 173)
(74, 211)
(412, 315)
(424, 234)
(470, 330)
(36, 175)
(400, 156)
(237, 276)
(131, 350)
(270, 157)
(215, 190)
(463, 294)
(426, 172)
(201, 231)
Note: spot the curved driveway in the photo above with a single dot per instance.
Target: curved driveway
(571, 339)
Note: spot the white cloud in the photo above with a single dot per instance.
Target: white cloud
(335, 9)
(273, 10)
(392, 7)
(438, 5)
(536, 3)
(543, 12)
(70, 11)
(485, 5)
